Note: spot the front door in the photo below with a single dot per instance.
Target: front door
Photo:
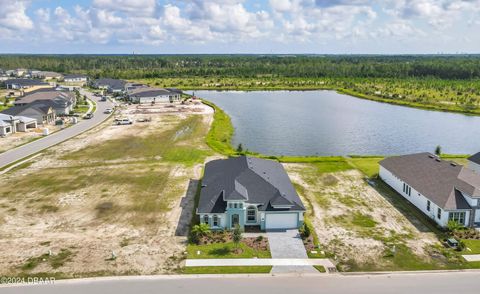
(235, 220)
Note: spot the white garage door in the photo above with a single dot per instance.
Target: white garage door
(281, 221)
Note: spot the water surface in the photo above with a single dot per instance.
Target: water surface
(328, 123)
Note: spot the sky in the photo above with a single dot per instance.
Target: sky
(231, 26)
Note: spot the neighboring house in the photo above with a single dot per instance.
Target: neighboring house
(63, 102)
(248, 191)
(442, 190)
(48, 75)
(149, 95)
(43, 113)
(75, 79)
(129, 87)
(25, 85)
(110, 85)
(474, 162)
(11, 124)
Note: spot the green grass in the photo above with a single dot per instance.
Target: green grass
(367, 165)
(55, 261)
(227, 270)
(221, 131)
(224, 250)
(473, 245)
(320, 268)
(170, 145)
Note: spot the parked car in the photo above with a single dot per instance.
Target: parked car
(88, 116)
(104, 98)
(108, 110)
(123, 121)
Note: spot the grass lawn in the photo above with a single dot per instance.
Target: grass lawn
(224, 250)
(320, 268)
(227, 270)
(473, 245)
(367, 165)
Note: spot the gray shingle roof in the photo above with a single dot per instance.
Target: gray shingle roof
(253, 180)
(25, 82)
(149, 92)
(438, 180)
(113, 84)
(475, 158)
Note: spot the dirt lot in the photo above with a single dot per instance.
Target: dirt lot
(356, 224)
(20, 138)
(108, 201)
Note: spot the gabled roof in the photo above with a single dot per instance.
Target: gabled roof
(55, 98)
(111, 83)
(253, 180)
(75, 76)
(439, 180)
(25, 82)
(41, 107)
(475, 158)
(149, 92)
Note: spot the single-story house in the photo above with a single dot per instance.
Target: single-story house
(48, 75)
(43, 113)
(11, 124)
(25, 84)
(248, 191)
(443, 190)
(62, 102)
(75, 78)
(149, 95)
(110, 85)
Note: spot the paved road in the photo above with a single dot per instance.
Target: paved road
(16, 154)
(438, 283)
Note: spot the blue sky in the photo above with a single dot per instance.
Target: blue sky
(231, 26)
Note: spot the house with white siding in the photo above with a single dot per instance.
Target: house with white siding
(10, 124)
(443, 190)
(153, 95)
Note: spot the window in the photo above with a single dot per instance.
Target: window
(251, 214)
(230, 205)
(407, 189)
(240, 205)
(439, 213)
(205, 219)
(235, 205)
(215, 221)
(459, 217)
(428, 205)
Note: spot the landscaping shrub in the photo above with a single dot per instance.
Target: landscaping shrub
(199, 231)
(305, 231)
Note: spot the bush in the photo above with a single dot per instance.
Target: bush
(305, 231)
(199, 231)
(237, 235)
(453, 226)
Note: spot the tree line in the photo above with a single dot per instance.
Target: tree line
(460, 67)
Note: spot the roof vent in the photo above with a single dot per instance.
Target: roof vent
(453, 164)
(438, 160)
(431, 156)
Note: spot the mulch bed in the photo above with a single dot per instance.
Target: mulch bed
(256, 243)
(309, 244)
(467, 234)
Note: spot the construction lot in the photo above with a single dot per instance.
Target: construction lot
(362, 224)
(109, 201)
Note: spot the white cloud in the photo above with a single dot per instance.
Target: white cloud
(133, 7)
(13, 15)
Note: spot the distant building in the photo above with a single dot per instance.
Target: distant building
(48, 75)
(41, 112)
(25, 84)
(442, 190)
(154, 95)
(110, 85)
(11, 124)
(81, 79)
(62, 102)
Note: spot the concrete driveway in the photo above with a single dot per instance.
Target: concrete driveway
(288, 244)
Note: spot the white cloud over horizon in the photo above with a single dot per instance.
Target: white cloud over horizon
(231, 26)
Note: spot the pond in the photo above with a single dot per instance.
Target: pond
(329, 123)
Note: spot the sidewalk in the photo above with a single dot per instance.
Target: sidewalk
(473, 257)
(260, 262)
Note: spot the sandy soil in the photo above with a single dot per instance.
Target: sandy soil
(17, 139)
(342, 194)
(26, 233)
